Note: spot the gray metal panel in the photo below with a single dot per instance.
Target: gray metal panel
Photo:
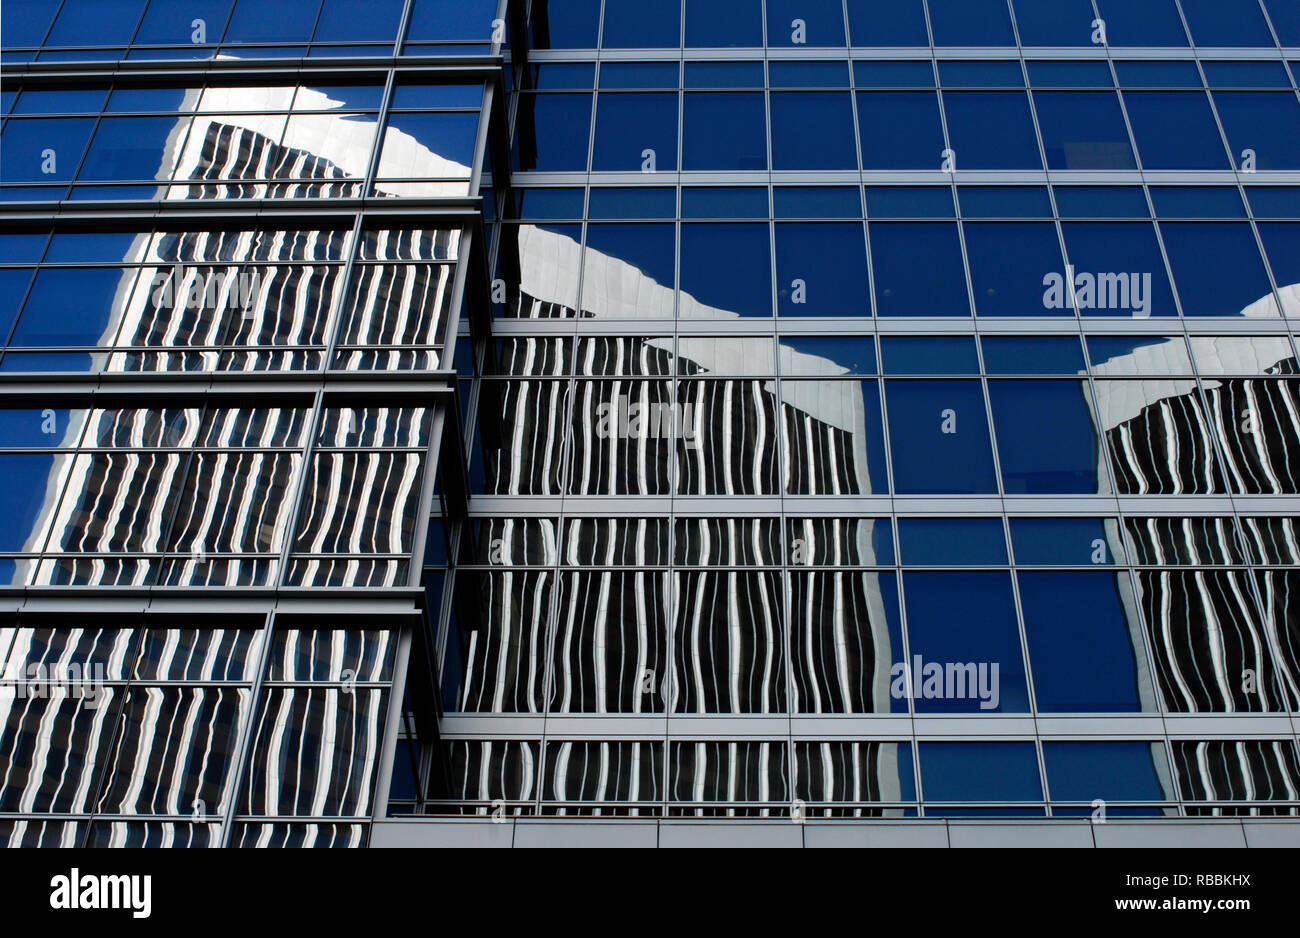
(1056, 834)
(730, 834)
(442, 833)
(1158, 834)
(603, 832)
(1272, 833)
(876, 834)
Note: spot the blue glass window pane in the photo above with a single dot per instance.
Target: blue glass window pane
(26, 144)
(1197, 202)
(649, 248)
(1061, 462)
(1274, 201)
(1175, 130)
(451, 136)
(900, 130)
(971, 23)
(146, 99)
(1107, 771)
(406, 95)
(940, 438)
(1214, 23)
(1004, 202)
(1142, 23)
(724, 75)
(910, 202)
(1101, 202)
(1285, 16)
(966, 618)
(893, 74)
(807, 75)
(259, 21)
(639, 75)
(97, 23)
(1282, 242)
(91, 247)
(887, 23)
(1081, 643)
(984, 771)
(456, 19)
(1266, 122)
(1054, 22)
(986, 74)
(563, 77)
(630, 203)
(549, 203)
(991, 130)
(724, 131)
(1063, 542)
(929, 355)
(708, 249)
(172, 24)
(1008, 267)
(1134, 355)
(713, 202)
(1101, 250)
(802, 23)
(817, 202)
(918, 269)
(1199, 253)
(957, 542)
(1246, 75)
(821, 270)
(1083, 130)
(850, 355)
(1034, 355)
(129, 148)
(812, 130)
(70, 306)
(22, 248)
(13, 287)
(27, 21)
(564, 24)
(61, 101)
(550, 134)
(26, 480)
(1070, 75)
(1181, 74)
(373, 21)
(629, 125)
(634, 24)
(715, 25)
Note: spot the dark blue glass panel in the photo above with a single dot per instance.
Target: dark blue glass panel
(1282, 242)
(893, 74)
(807, 75)
(13, 287)
(1246, 75)
(715, 25)
(1106, 771)
(1008, 266)
(991, 130)
(724, 131)
(1285, 16)
(929, 355)
(639, 75)
(22, 248)
(1070, 75)
(986, 74)
(1215, 23)
(1063, 461)
(956, 619)
(378, 20)
(407, 95)
(634, 24)
(1004, 202)
(146, 99)
(562, 77)
(971, 23)
(1274, 201)
(910, 202)
(708, 249)
(630, 203)
(1175, 130)
(817, 202)
(1083, 130)
(955, 542)
(549, 133)
(40, 362)
(856, 355)
(1054, 22)
(940, 438)
(822, 270)
(1180, 74)
(1101, 202)
(900, 130)
(91, 247)
(1061, 542)
(259, 21)
(1101, 250)
(26, 21)
(812, 130)
(172, 23)
(564, 24)
(113, 192)
(1197, 202)
(95, 23)
(1081, 643)
(61, 101)
(451, 136)
(629, 125)
(1142, 23)
(805, 23)
(711, 202)
(1032, 355)
(41, 429)
(70, 306)
(30, 147)
(649, 248)
(1198, 256)
(1139, 354)
(724, 75)
(1263, 121)
(887, 23)
(457, 19)
(918, 269)
(26, 480)
(548, 204)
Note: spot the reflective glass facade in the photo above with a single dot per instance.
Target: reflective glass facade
(779, 409)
